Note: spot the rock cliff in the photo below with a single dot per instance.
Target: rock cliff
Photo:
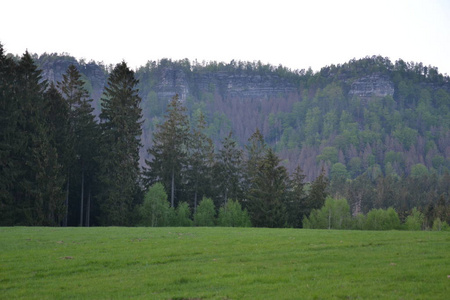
(372, 85)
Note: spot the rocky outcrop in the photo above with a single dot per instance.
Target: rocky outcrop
(372, 85)
(244, 86)
(172, 81)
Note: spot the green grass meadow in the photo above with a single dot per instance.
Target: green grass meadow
(222, 263)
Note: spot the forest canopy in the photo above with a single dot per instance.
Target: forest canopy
(82, 142)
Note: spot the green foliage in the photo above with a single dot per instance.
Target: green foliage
(407, 136)
(419, 171)
(329, 154)
(205, 214)
(232, 215)
(268, 195)
(335, 214)
(228, 170)
(182, 215)
(169, 149)
(439, 225)
(318, 193)
(380, 219)
(415, 221)
(119, 153)
(155, 211)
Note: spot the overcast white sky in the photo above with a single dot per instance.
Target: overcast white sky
(296, 34)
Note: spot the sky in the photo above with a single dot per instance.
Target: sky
(296, 34)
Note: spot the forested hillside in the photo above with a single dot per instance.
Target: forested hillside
(367, 113)
(378, 131)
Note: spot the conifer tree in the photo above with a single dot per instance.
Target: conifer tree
(9, 141)
(39, 186)
(58, 122)
(318, 193)
(228, 171)
(169, 150)
(200, 162)
(82, 134)
(256, 150)
(119, 152)
(269, 193)
(297, 204)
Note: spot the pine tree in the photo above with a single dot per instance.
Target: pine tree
(169, 150)
(81, 136)
(256, 150)
(318, 193)
(296, 207)
(228, 171)
(58, 121)
(269, 193)
(200, 161)
(119, 152)
(9, 139)
(38, 191)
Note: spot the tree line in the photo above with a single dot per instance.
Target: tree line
(61, 165)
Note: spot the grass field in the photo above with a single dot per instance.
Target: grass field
(222, 263)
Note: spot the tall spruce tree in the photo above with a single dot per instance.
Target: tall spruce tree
(266, 203)
(39, 185)
(81, 138)
(169, 150)
(119, 152)
(9, 140)
(256, 150)
(58, 122)
(318, 192)
(296, 207)
(200, 160)
(228, 171)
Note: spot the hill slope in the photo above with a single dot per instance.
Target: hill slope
(368, 114)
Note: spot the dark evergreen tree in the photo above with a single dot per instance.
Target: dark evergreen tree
(38, 190)
(119, 152)
(9, 139)
(268, 196)
(169, 151)
(228, 175)
(256, 150)
(297, 206)
(318, 192)
(81, 142)
(200, 161)
(58, 122)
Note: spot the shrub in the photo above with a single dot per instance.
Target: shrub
(439, 225)
(232, 215)
(182, 215)
(380, 219)
(335, 214)
(205, 214)
(155, 210)
(415, 220)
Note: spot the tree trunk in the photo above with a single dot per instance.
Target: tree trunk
(172, 190)
(66, 203)
(195, 201)
(329, 219)
(88, 210)
(82, 196)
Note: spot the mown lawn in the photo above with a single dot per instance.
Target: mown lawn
(222, 263)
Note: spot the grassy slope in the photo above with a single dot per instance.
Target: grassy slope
(222, 263)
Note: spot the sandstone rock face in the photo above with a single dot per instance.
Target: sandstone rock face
(245, 86)
(172, 81)
(372, 85)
